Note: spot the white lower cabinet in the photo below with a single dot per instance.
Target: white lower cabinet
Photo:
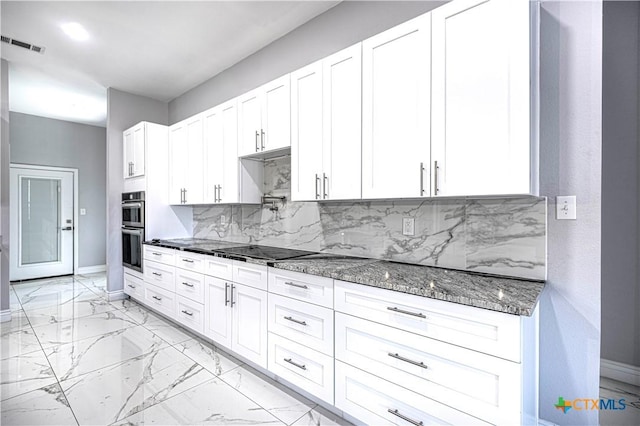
(190, 285)
(160, 275)
(160, 299)
(218, 319)
(304, 367)
(133, 286)
(376, 401)
(190, 313)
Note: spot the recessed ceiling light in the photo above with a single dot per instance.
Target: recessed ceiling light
(75, 31)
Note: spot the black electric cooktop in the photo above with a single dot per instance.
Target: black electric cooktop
(266, 252)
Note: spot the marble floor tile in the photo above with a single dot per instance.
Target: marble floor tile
(44, 406)
(82, 328)
(24, 373)
(280, 401)
(18, 342)
(18, 321)
(75, 293)
(616, 390)
(321, 417)
(95, 282)
(14, 302)
(209, 356)
(213, 402)
(44, 286)
(83, 356)
(167, 330)
(110, 394)
(74, 309)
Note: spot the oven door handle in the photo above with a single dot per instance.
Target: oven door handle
(132, 231)
(129, 204)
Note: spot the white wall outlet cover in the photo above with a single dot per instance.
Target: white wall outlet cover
(566, 207)
(408, 226)
(83, 212)
(223, 220)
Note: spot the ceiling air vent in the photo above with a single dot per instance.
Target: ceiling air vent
(18, 43)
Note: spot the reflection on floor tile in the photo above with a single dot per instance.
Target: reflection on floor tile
(18, 321)
(24, 373)
(213, 402)
(166, 329)
(274, 397)
(616, 390)
(94, 282)
(57, 298)
(76, 309)
(19, 342)
(321, 417)
(44, 406)
(208, 356)
(113, 393)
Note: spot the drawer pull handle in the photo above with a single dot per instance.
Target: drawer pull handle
(410, 361)
(394, 309)
(296, 285)
(188, 313)
(157, 298)
(187, 260)
(300, 366)
(131, 286)
(187, 284)
(405, 418)
(155, 253)
(295, 320)
(156, 274)
(226, 294)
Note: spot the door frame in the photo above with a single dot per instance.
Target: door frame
(76, 224)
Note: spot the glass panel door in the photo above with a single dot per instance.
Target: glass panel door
(40, 220)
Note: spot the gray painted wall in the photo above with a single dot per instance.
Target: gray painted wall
(338, 28)
(620, 186)
(4, 184)
(48, 142)
(571, 164)
(123, 111)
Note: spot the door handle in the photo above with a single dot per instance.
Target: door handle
(257, 145)
(226, 294)
(317, 190)
(232, 301)
(185, 195)
(435, 177)
(67, 228)
(421, 179)
(262, 139)
(325, 180)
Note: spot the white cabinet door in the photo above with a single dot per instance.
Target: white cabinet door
(177, 162)
(213, 147)
(249, 123)
(249, 337)
(395, 108)
(342, 138)
(139, 136)
(127, 153)
(480, 127)
(195, 162)
(276, 114)
(218, 314)
(306, 132)
(228, 190)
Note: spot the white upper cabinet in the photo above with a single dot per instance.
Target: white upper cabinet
(325, 125)
(186, 164)
(480, 98)
(264, 118)
(395, 111)
(133, 151)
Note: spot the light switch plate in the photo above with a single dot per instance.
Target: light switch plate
(83, 212)
(408, 226)
(566, 207)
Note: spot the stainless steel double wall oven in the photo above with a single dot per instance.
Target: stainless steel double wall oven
(132, 229)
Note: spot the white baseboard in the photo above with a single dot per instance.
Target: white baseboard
(5, 315)
(621, 372)
(545, 423)
(91, 269)
(116, 295)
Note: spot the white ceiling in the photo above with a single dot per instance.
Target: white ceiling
(158, 49)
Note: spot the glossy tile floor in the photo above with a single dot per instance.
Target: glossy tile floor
(613, 389)
(70, 357)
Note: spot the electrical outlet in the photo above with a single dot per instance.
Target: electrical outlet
(223, 219)
(83, 212)
(566, 207)
(408, 226)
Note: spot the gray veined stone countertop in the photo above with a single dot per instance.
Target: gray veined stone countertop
(502, 294)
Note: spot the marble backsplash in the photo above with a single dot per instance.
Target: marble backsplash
(498, 236)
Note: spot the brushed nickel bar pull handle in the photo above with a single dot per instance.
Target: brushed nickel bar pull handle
(296, 285)
(300, 366)
(187, 260)
(232, 301)
(410, 361)
(187, 312)
(157, 298)
(402, 311)
(257, 146)
(262, 139)
(317, 182)
(131, 286)
(405, 418)
(187, 284)
(421, 179)
(435, 177)
(155, 253)
(226, 294)
(219, 193)
(185, 195)
(295, 320)
(157, 274)
(324, 186)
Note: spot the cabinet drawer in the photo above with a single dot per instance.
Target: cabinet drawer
(190, 313)
(304, 367)
(160, 254)
(190, 261)
(375, 401)
(134, 287)
(482, 330)
(482, 385)
(190, 284)
(308, 288)
(302, 322)
(250, 274)
(160, 275)
(218, 267)
(160, 299)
